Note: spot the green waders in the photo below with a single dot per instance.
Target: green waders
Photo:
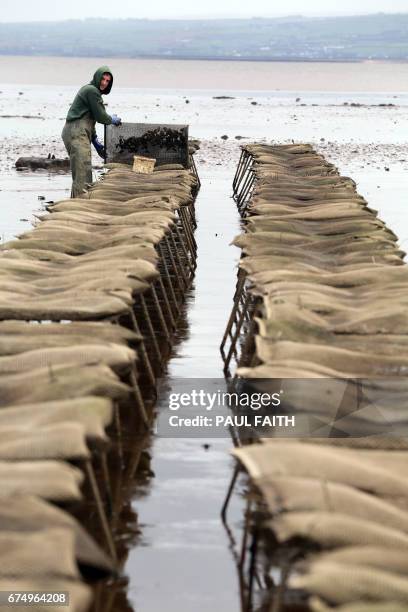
(77, 136)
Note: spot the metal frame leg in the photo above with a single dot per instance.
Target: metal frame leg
(167, 303)
(231, 486)
(169, 281)
(160, 313)
(138, 398)
(101, 511)
(142, 349)
(175, 268)
(146, 315)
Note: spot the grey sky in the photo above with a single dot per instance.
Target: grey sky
(27, 10)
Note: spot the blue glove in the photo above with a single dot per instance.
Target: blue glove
(100, 149)
(116, 120)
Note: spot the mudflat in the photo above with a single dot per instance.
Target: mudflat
(368, 76)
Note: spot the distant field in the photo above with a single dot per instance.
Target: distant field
(381, 36)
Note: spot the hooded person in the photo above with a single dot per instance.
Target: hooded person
(79, 129)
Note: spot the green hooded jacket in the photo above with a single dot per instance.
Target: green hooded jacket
(88, 101)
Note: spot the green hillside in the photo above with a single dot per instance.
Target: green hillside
(378, 36)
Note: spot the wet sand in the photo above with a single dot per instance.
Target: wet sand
(368, 76)
(182, 559)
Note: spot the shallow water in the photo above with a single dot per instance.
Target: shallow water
(19, 199)
(184, 560)
(369, 76)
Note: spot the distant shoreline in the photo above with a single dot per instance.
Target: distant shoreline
(292, 60)
(348, 39)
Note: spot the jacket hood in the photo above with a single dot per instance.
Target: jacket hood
(96, 81)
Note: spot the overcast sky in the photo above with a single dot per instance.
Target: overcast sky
(29, 10)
